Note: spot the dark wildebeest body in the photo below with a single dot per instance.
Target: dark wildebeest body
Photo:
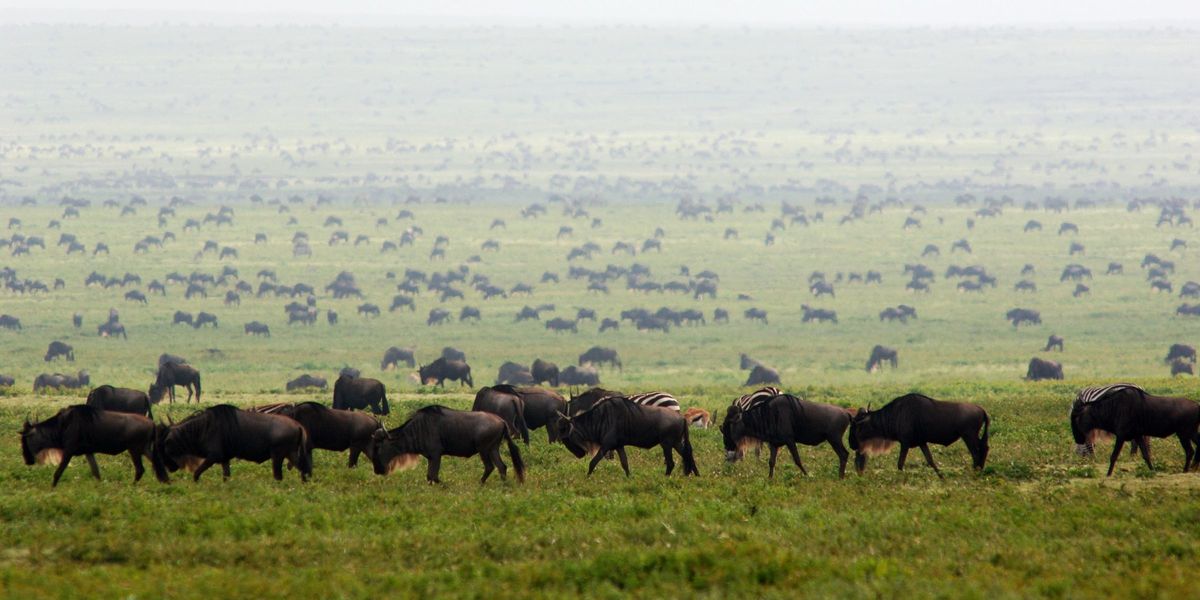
(573, 376)
(171, 374)
(394, 356)
(786, 420)
(542, 408)
(1055, 341)
(600, 355)
(504, 402)
(880, 355)
(915, 420)
(1130, 414)
(331, 429)
(57, 349)
(761, 375)
(357, 393)
(86, 430)
(117, 399)
(437, 431)
(442, 369)
(1180, 352)
(544, 372)
(222, 433)
(616, 422)
(1040, 369)
(307, 381)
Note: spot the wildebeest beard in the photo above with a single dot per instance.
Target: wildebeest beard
(875, 446)
(404, 442)
(40, 443)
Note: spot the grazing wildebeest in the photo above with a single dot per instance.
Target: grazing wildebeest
(573, 376)
(257, 328)
(57, 349)
(307, 381)
(616, 422)
(559, 324)
(182, 317)
(112, 329)
(1181, 352)
(124, 400)
(452, 353)
(1115, 268)
(505, 402)
(401, 301)
(599, 355)
(756, 314)
(86, 430)
(745, 362)
(1023, 315)
(437, 316)
(607, 324)
(544, 372)
(1040, 369)
(1181, 367)
(442, 369)
(916, 420)
(394, 356)
(205, 318)
(136, 296)
(222, 433)
(783, 421)
(330, 429)
(1128, 413)
(880, 355)
(1054, 342)
(720, 315)
(171, 374)
(351, 392)
(59, 381)
(761, 375)
(10, 322)
(514, 373)
(7, 381)
(437, 431)
(77, 320)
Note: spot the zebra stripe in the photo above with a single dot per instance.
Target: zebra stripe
(755, 398)
(659, 399)
(1092, 394)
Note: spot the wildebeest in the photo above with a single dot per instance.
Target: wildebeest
(205, 318)
(573, 376)
(599, 355)
(503, 401)
(59, 381)
(544, 372)
(542, 407)
(442, 369)
(222, 433)
(107, 397)
(761, 375)
(452, 353)
(1054, 341)
(393, 356)
(86, 430)
(616, 422)
(112, 329)
(916, 420)
(1180, 352)
(10, 322)
(182, 317)
(1181, 367)
(357, 393)
(745, 362)
(785, 420)
(171, 374)
(560, 324)
(1023, 315)
(514, 373)
(1040, 369)
(57, 349)
(437, 431)
(756, 314)
(257, 328)
(331, 429)
(1130, 414)
(880, 355)
(306, 381)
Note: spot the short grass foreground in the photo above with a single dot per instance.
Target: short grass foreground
(1038, 521)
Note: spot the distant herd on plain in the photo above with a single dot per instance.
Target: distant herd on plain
(598, 423)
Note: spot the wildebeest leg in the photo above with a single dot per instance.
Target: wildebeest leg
(842, 455)
(225, 470)
(91, 458)
(138, 469)
(204, 466)
(668, 458)
(435, 466)
(1116, 453)
(1187, 452)
(488, 467)
(595, 461)
(903, 457)
(62, 466)
(1143, 444)
(975, 448)
(929, 459)
(771, 461)
(624, 459)
(353, 457)
(500, 466)
(860, 462)
(277, 465)
(796, 458)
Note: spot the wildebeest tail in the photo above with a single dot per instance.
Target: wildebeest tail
(515, 453)
(197, 387)
(689, 457)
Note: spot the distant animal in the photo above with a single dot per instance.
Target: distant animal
(58, 381)
(880, 355)
(579, 376)
(1181, 367)
(393, 356)
(171, 374)
(544, 372)
(1054, 342)
(58, 349)
(1022, 315)
(257, 328)
(1040, 369)
(916, 420)
(598, 355)
(1181, 352)
(452, 353)
(358, 393)
(441, 369)
(112, 330)
(222, 433)
(306, 381)
(437, 431)
(761, 375)
(83, 430)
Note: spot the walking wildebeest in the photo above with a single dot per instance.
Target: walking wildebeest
(880, 355)
(544, 372)
(357, 393)
(394, 356)
(257, 328)
(1040, 369)
(171, 374)
(117, 399)
(442, 369)
(761, 375)
(505, 402)
(916, 420)
(616, 422)
(330, 429)
(1128, 413)
(57, 349)
(86, 430)
(437, 431)
(1022, 315)
(600, 355)
(306, 381)
(222, 433)
(785, 420)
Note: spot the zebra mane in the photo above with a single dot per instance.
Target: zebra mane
(1091, 394)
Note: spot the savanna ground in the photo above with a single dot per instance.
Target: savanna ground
(495, 119)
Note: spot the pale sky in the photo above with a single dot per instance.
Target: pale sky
(903, 13)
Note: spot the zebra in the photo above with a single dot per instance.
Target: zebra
(659, 399)
(1091, 394)
(755, 398)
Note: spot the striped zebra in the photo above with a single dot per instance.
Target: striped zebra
(659, 399)
(755, 398)
(1091, 394)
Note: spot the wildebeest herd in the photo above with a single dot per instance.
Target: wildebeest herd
(597, 422)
